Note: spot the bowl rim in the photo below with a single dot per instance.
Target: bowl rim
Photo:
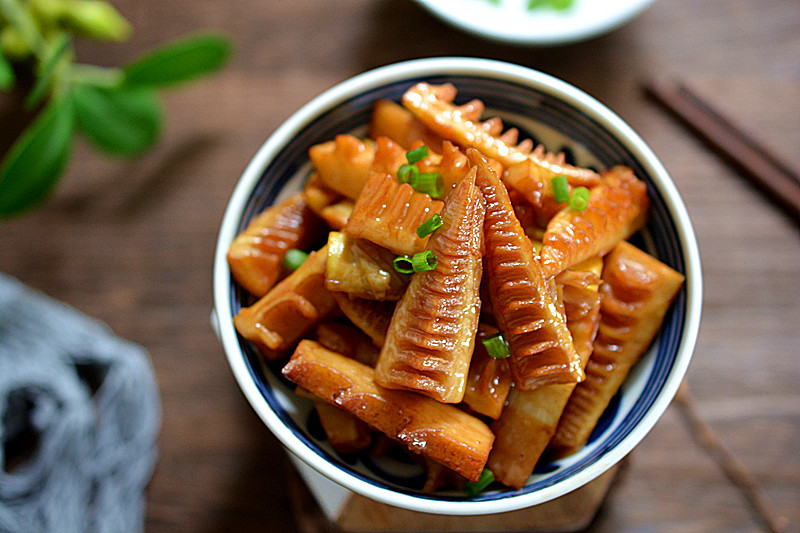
(443, 66)
(554, 28)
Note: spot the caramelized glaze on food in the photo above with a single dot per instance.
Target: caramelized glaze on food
(489, 379)
(255, 255)
(388, 213)
(431, 337)
(637, 292)
(281, 317)
(617, 209)
(436, 430)
(530, 418)
(541, 346)
(433, 106)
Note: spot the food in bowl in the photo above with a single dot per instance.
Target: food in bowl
(468, 295)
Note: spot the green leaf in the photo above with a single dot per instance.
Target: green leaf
(121, 121)
(46, 74)
(37, 158)
(6, 74)
(179, 61)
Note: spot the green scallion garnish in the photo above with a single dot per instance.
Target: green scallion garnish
(580, 199)
(403, 264)
(429, 226)
(416, 263)
(560, 188)
(476, 487)
(417, 154)
(424, 261)
(294, 258)
(497, 346)
(407, 173)
(430, 183)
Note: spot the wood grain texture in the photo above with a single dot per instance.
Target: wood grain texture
(132, 242)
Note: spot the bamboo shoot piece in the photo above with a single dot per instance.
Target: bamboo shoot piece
(256, 254)
(347, 340)
(617, 209)
(433, 106)
(277, 321)
(362, 269)
(345, 163)
(541, 347)
(637, 292)
(489, 379)
(432, 333)
(388, 213)
(390, 119)
(343, 431)
(438, 431)
(336, 215)
(370, 316)
(529, 419)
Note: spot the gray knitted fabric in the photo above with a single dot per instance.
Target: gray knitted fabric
(85, 405)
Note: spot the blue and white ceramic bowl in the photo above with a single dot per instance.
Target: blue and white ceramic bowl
(547, 110)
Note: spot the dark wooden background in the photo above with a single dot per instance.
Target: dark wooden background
(131, 242)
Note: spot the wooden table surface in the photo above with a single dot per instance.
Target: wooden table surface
(131, 242)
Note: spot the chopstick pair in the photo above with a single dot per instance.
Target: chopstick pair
(757, 163)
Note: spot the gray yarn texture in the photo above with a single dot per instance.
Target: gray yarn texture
(84, 406)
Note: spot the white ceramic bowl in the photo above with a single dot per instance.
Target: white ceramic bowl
(510, 21)
(548, 110)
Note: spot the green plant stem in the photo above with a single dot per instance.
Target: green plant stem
(98, 76)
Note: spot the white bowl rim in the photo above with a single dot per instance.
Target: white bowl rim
(437, 67)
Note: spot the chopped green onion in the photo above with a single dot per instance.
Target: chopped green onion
(560, 188)
(476, 487)
(580, 199)
(497, 346)
(424, 261)
(416, 263)
(430, 183)
(294, 258)
(403, 264)
(417, 154)
(429, 226)
(407, 173)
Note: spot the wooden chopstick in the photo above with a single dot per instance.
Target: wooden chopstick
(757, 163)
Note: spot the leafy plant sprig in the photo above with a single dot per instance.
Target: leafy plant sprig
(115, 108)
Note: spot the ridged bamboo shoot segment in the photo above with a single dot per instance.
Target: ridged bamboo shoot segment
(388, 213)
(489, 378)
(277, 321)
(438, 431)
(370, 316)
(432, 333)
(345, 163)
(529, 419)
(617, 209)
(637, 292)
(433, 106)
(536, 330)
(256, 254)
(362, 269)
(390, 119)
